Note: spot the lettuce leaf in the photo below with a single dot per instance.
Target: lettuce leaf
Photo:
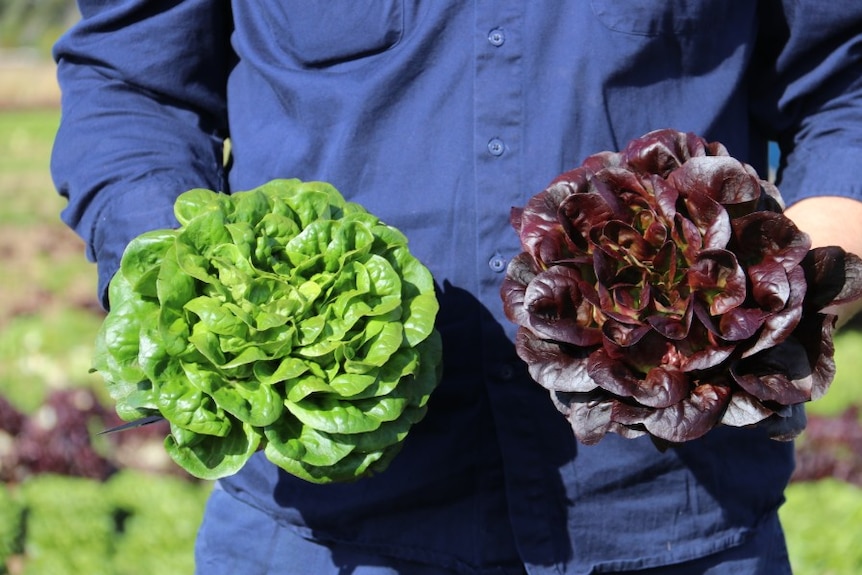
(282, 318)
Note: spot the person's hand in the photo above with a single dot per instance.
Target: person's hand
(832, 221)
(787, 425)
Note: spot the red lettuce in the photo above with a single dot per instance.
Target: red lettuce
(662, 291)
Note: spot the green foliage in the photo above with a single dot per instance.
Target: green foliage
(69, 526)
(10, 525)
(25, 23)
(158, 521)
(821, 520)
(25, 182)
(845, 389)
(133, 524)
(282, 317)
(47, 327)
(38, 353)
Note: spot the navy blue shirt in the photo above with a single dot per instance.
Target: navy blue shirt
(438, 117)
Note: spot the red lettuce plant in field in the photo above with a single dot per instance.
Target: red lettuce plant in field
(55, 439)
(662, 291)
(831, 447)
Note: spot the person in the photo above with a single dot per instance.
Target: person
(438, 117)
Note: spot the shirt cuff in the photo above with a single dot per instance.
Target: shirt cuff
(821, 173)
(140, 208)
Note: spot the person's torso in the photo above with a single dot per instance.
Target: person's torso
(439, 117)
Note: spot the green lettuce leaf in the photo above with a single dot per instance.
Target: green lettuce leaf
(282, 318)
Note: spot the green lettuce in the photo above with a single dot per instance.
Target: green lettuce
(282, 319)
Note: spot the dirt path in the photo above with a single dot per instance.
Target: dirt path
(27, 81)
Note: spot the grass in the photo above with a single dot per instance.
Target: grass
(845, 389)
(24, 168)
(822, 520)
(49, 317)
(48, 313)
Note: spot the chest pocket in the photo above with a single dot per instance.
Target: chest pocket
(656, 18)
(325, 32)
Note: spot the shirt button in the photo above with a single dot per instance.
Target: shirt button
(497, 263)
(496, 147)
(496, 37)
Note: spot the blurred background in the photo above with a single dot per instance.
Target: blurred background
(71, 502)
(75, 502)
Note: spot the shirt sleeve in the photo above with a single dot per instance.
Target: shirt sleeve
(806, 87)
(143, 117)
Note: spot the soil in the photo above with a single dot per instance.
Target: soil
(27, 81)
(49, 247)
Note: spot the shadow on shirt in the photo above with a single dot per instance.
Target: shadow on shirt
(448, 498)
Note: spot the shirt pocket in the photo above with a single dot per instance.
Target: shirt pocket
(657, 18)
(326, 32)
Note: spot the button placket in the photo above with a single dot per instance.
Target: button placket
(498, 110)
